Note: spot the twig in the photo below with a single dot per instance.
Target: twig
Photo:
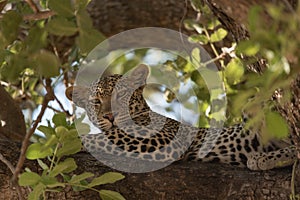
(39, 15)
(48, 97)
(32, 6)
(61, 106)
(54, 109)
(12, 169)
(7, 163)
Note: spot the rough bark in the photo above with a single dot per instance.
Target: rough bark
(191, 180)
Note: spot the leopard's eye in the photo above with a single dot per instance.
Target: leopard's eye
(95, 101)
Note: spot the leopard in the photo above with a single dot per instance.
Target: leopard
(115, 105)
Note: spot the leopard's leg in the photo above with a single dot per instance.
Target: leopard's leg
(274, 159)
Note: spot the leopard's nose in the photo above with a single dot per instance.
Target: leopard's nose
(109, 116)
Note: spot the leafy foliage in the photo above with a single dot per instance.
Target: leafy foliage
(59, 142)
(30, 59)
(247, 91)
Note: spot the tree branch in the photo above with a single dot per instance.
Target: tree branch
(39, 15)
(48, 97)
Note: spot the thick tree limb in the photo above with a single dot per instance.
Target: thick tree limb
(192, 180)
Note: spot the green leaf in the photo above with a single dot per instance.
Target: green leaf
(16, 63)
(110, 195)
(63, 8)
(36, 39)
(234, 71)
(218, 35)
(83, 128)
(29, 179)
(67, 166)
(61, 131)
(83, 20)
(248, 48)
(43, 165)
(88, 36)
(51, 182)
(38, 150)
(109, 177)
(81, 4)
(51, 141)
(201, 39)
(88, 39)
(61, 27)
(37, 192)
(276, 125)
(78, 178)
(195, 57)
(69, 147)
(9, 26)
(59, 119)
(47, 64)
(48, 131)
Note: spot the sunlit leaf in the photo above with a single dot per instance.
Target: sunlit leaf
(248, 47)
(66, 166)
(51, 182)
(37, 150)
(276, 125)
(196, 57)
(83, 176)
(234, 71)
(109, 177)
(29, 179)
(69, 147)
(37, 192)
(110, 195)
(201, 39)
(42, 164)
(218, 35)
(61, 131)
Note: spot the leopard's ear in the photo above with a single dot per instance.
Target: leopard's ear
(139, 74)
(77, 94)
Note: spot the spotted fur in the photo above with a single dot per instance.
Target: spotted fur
(115, 104)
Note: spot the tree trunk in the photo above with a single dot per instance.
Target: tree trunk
(189, 180)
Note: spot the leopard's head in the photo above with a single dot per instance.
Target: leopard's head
(108, 100)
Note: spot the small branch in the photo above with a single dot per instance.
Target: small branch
(32, 6)
(48, 97)
(39, 15)
(61, 106)
(7, 163)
